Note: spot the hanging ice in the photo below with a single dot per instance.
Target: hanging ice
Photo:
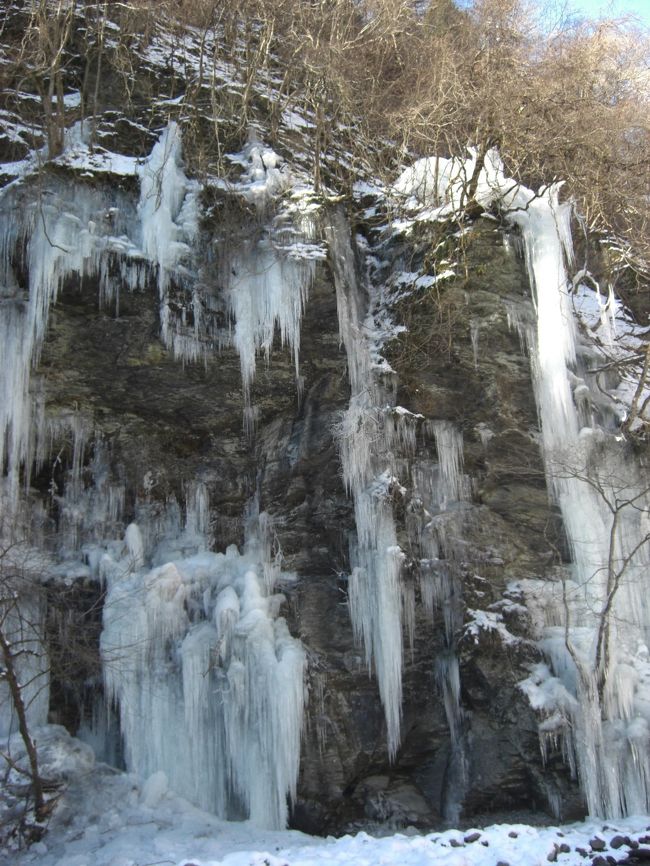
(169, 223)
(594, 479)
(209, 682)
(377, 442)
(57, 229)
(598, 704)
(269, 267)
(374, 593)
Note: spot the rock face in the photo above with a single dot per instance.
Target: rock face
(164, 423)
(151, 324)
(271, 440)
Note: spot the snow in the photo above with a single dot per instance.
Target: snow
(106, 818)
(488, 621)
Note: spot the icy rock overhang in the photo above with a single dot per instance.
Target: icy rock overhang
(53, 228)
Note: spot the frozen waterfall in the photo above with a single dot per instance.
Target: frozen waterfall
(208, 680)
(377, 443)
(594, 693)
(599, 651)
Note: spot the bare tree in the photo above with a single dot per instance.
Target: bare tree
(24, 668)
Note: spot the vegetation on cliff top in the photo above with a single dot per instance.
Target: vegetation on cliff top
(365, 83)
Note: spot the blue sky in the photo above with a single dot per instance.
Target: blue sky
(599, 8)
(594, 8)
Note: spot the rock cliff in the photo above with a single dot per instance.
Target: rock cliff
(344, 395)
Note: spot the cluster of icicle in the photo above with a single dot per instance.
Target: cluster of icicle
(594, 692)
(67, 229)
(377, 442)
(268, 267)
(209, 682)
(74, 229)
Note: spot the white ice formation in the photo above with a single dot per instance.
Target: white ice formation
(209, 682)
(79, 230)
(377, 442)
(268, 266)
(594, 693)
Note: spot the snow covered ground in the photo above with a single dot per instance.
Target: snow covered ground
(107, 818)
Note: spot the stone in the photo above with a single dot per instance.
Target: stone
(618, 841)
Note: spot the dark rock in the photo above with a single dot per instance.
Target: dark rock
(472, 837)
(640, 855)
(597, 844)
(618, 841)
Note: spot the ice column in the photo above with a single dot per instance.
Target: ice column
(595, 481)
(375, 594)
(209, 682)
(168, 214)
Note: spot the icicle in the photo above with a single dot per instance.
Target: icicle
(265, 290)
(603, 612)
(474, 331)
(209, 682)
(68, 229)
(366, 433)
(169, 224)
